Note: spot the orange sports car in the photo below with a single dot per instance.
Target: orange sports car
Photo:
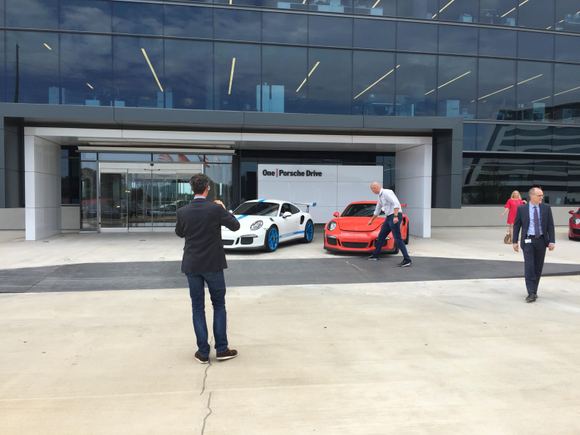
(350, 231)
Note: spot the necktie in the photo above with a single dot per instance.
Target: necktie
(536, 221)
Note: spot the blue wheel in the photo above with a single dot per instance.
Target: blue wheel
(309, 232)
(272, 239)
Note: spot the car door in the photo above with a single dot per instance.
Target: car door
(291, 225)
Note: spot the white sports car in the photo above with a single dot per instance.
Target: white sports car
(267, 223)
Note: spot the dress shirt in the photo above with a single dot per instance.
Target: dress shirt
(387, 202)
(531, 228)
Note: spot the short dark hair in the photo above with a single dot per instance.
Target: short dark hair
(199, 183)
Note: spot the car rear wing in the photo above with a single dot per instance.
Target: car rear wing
(307, 205)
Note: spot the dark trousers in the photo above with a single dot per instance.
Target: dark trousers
(388, 227)
(534, 254)
(217, 290)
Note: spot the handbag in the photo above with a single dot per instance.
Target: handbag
(507, 239)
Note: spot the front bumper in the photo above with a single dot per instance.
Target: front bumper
(355, 242)
(243, 239)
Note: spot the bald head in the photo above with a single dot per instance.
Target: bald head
(376, 187)
(536, 195)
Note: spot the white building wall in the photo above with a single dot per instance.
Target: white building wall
(413, 175)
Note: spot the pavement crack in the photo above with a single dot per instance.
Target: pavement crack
(208, 414)
(205, 379)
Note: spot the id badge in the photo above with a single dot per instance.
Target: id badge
(527, 240)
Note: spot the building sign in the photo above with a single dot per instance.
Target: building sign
(331, 187)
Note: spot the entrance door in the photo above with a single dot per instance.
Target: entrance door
(143, 197)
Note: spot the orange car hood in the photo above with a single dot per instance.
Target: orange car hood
(359, 224)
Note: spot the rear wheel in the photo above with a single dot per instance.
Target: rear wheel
(308, 232)
(272, 239)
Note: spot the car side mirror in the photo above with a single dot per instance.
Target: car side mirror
(336, 214)
(286, 214)
(571, 212)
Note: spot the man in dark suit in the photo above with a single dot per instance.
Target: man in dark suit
(204, 261)
(536, 223)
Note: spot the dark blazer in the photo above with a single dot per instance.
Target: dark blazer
(522, 223)
(200, 223)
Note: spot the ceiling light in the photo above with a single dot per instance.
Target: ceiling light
(308, 76)
(92, 88)
(569, 90)
(152, 69)
(548, 28)
(541, 99)
(377, 81)
(443, 8)
(508, 12)
(561, 21)
(495, 92)
(449, 82)
(530, 79)
(233, 68)
(523, 3)
(48, 47)
(375, 5)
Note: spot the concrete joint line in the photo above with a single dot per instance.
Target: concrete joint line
(208, 414)
(355, 266)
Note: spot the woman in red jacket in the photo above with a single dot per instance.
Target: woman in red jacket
(511, 208)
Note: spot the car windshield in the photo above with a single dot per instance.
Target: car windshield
(258, 208)
(360, 210)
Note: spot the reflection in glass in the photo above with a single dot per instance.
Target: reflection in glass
(331, 31)
(469, 137)
(283, 68)
(496, 137)
(415, 83)
(457, 87)
(464, 11)
(113, 200)
(284, 28)
(338, 6)
(237, 25)
(417, 37)
(536, 139)
(32, 74)
(457, 40)
(502, 12)
(188, 74)
(496, 91)
(536, 14)
(138, 72)
(534, 90)
(329, 87)
(568, 48)
(386, 8)
(36, 14)
(137, 18)
(567, 16)
(535, 46)
(567, 93)
(425, 9)
(187, 21)
(89, 196)
(86, 83)
(567, 140)
(374, 83)
(93, 16)
(374, 34)
(500, 43)
(221, 183)
(69, 172)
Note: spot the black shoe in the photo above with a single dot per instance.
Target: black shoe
(405, 263)
(531, 298)
(200, 358)
(226, 354)
(373, 257)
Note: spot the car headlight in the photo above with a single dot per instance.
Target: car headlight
(256, 225)
(577, 221)
(331, 226)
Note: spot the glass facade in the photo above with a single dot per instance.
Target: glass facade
(509, 68)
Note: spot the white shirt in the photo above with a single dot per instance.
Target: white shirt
(388, 202)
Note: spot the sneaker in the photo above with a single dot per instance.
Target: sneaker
(200, 358)
(373, 257)
(226, 354)
(405, 263)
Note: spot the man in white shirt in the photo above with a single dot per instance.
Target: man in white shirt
(389, 203)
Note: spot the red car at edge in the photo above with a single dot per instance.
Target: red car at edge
(350, 231)
(574, 225)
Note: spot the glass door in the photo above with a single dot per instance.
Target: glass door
(140, 198)
(113, 199)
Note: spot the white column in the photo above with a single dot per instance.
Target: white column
(413, 186)
(42, 187)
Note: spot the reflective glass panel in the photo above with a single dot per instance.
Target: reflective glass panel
(188, 21)
(374, 7)
(469, 137)
(338, 6)
(568, 48)
(536, 139)
(125, 157)
(236, 76)
(494, 42)
(534, 91)
(537, 14)
(138, 18)
(495, 137)
(496, 90)
(329, 87)
(425, 9)
(89, 196)
(237, 25)
(567, 140)
(35, 14)
(416, 79)
(374, 83)
(32, 67)
(456, 88)
(221, 183)
(91, 16)
(331, 31)
(138, 69)
(464, 11)
(86, 83)
(188, 74)
(283, 69)
(501, 12)
(536, 46)
(284, 28)
(417, 37)
(457, 40)
(374, 34)
(567, 93)
(567, 16)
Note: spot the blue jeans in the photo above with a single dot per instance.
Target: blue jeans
(388, 227)
(217, 291)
